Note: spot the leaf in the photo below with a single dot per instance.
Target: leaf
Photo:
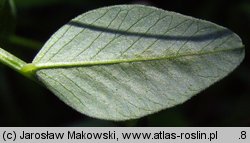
(128, 61)
(7, 18)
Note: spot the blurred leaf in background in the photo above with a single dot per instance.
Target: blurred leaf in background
(7, 20)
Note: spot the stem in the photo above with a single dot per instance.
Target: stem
(25, 42)
(16, 63)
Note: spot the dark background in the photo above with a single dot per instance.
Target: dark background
(26, 103)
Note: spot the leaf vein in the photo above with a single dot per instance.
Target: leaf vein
(96, 37)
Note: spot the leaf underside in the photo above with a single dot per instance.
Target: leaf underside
(127, 61)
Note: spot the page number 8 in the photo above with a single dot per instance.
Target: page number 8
(243, 135)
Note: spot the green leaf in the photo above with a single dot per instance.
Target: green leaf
(128, 61)
(7, 18)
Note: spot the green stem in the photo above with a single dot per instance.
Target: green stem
(16, 64)
(25, 42)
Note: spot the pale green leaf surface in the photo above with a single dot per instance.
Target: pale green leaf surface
(128, 61)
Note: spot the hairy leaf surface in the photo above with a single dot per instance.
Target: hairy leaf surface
(128, 61)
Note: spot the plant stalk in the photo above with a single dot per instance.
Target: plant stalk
(25, 42)
(16, 64)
